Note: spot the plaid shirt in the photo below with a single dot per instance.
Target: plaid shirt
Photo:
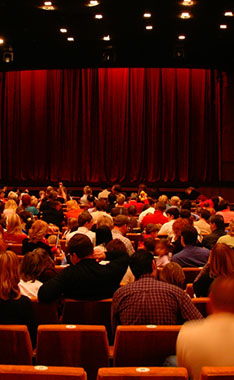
(116, 234)
(148, 301)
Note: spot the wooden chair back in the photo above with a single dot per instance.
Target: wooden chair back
(45, 313)
(72, 345)
(134, 237)
(15, 345)
(145, 373)
(22, 372)
(144, 345)
(190, 274)
(201, 304)
(217, 373)
(17, 248)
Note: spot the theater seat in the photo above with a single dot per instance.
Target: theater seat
(14, 247)
(217, 373)
(8, 372)
(45, 313)
(144, 345)
(15, 345)
(201, 304)
(157, 373)
(73, 345)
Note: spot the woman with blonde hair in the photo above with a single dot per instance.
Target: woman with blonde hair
(37, 238)
(14, 232)
(220, 263)
(229, 238)
(73, 209)
(10, 208)
(14, 308)
(84, 199)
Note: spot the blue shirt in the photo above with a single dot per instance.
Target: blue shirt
(191, 256)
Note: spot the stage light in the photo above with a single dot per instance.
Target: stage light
(182, 37)
(185, 15)
(106, 38)
(228, 14)
(98, 16)
(1, 41)
(70, 39)
(63, 30)
(149, 27)
(223, 26)
(147, 15)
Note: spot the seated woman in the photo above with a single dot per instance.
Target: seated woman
(10, 208)
(173, 274)
(220, 263)
(37, 239)
(229, 238)
(15, 309)
(163, 251)
(73, 209)
(87, 191)
(14, 233)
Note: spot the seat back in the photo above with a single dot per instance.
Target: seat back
(201, 304)
(190, 274)
(45, 313)
(88, 313)
(15, 345)
(217, 373)
(157, 373)
(21, 372)
(14, 247)
(134, 237)
(144, 345)
(72, 345)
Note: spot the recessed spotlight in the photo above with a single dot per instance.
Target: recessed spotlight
(98, 16)
(185, 15)
(106, 38)
(48, 6)
(182, 37)
(1, 41)
(147, 15)
(63, 30)
(228, 14)
(187, 2)
(92, 3)
(70, 39)
(47, 3)
(149, 27)
(223, 26)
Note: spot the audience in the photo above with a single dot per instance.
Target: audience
(14, 233)
(119, 230)
(218, 229)
(85, 223)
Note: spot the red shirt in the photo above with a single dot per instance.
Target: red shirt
(14, 238)
(156, 218)
(138, 205)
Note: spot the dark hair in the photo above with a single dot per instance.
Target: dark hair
(132, 210)
(149, 244)
(83, 218)
(117, 188)
(33, 264)
(121, 220)
(27, 218)
(141, 263)
(173, 211)
(90, 197)
(185, 214)
(218, 221)
(186, 204)
(116, 246)
(160, 206)
(205, 214)
(222, 205)
(111, 198)
(81, 245)
(101, 205)
(103, 235)
(152, 228)
(172, 273)
(189, 234)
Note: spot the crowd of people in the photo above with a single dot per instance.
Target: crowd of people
(101, 260)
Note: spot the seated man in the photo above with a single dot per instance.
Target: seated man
(85, 223)
(210, 342)
(218, 229)
(191, 255)
(148, 301)
(120, 229)
(85, 278)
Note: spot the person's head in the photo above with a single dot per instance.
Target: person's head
(231, 228)
(121, 223)
(14, 225)
(223, 205)
(49, 189)
(87, 190)
(12, 195)
(72, 205)
(151, 201)
(132, 210)
(116, 189)
(11, 204)
(111, 198)
(91, 200)
(221, 295)
(178, 225)
(38, 231)
(221, 260)
(161, 206)
(149, 244)
(101, 205)
(53, 195)
(217, 222)
(205, 214)
(116, 246)
(79, 247)
(34, 201)
(152, 229)
(26, 219)
(85, 219)
(33, 264)
(142, 262)
(186, 205)
(9, 276)
(71, 223)
(185, 214)
(120, 199)
(172, 273)
(189, 235)
(162, 247)
(105, 220)
(103, 235)
(41, 194)
(175, 201)
(163, 199)
(172, 213)
(26, 200)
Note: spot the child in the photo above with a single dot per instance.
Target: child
(162, 250)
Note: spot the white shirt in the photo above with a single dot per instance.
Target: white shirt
(166, 229)
(29, 288)
(103, 194)
(149, 210)
(83, 230)
(208, 342)
(97, 214)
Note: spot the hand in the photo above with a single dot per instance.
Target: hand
(99, 254)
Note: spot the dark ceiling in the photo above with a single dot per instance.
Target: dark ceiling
(35, 37)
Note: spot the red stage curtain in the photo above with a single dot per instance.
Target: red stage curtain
(107, 124)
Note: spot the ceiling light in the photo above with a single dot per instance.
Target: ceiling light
(147, 15)
(223, 26)
(99, 16)
(1, 41)
(71, 39)
(149, 27)
(228, 14)
(185, 15)
(92, 3)
(48, 3)
(48, 6)
(182, 37)
(106, 38)
(187, 2)
(63, 30)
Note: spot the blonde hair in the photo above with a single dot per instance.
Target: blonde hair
(11, 204)
(175, 201)
(9, 276)
(105, 220)
(38, 230)
(72, 205)
(120, 199)
(87, 190)
(34, 201)
(14, 225)
(163, 198)
(231, 228)
(221, 260)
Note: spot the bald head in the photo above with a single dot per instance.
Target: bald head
(222, 294)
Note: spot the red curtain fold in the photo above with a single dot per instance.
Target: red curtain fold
(128, 125)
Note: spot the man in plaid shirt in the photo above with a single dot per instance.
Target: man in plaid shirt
(149, 301)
